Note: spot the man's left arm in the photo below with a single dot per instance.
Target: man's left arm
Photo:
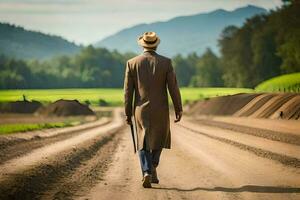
(128, 93)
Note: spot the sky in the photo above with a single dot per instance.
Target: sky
(88, 21)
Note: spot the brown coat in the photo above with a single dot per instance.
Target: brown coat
(147, 78)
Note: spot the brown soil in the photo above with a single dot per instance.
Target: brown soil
(65, 108)
(20, 107)
(254, 105)
(206, 161)
(18, 144)
(13, 118)
(66, 175)
(291, 109)
(267, 105)
(259, 132)
(63, 168)
(275, 125)
(226, 105)
(268, 108)
(283, 159)
(203, 165)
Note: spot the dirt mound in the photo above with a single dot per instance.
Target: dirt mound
(259, 105)
(254, 105)
(272, 105)
(289, 110)
(20, 107)
(225, 105)
(65, 108)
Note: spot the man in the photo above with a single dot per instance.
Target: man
(147, 78)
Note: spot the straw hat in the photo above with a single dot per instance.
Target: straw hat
(149, 39)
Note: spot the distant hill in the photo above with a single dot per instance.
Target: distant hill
(183, 34)
(21, 43)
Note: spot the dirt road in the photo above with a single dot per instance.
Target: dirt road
(208, 160)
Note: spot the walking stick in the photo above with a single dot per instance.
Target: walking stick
(132, 134)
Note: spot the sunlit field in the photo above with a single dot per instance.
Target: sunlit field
(283, 83)
(114, 97)
(12, 128)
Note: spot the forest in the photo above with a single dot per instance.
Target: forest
(265, 46)
(92, 67)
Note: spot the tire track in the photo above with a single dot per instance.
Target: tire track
(14, 147)
(88, 174)
(268, 134)
(283, 159)
(35, 183)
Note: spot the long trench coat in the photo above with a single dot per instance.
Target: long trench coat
(147, 78)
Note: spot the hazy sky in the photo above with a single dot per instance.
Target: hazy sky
(87, 21)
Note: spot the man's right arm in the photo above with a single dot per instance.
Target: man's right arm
(174, 91)
(128, 93)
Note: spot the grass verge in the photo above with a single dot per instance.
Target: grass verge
(13, 128)
(283, 83)
(113, 97)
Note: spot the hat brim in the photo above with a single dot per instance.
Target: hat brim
(142, 43)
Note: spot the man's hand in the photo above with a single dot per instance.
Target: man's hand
(128, 120)
(178, 116)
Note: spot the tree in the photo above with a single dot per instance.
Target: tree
(229, 62)
(288, 39)
(91, 67)
(265, 46)
(208, 71)
(184, 70)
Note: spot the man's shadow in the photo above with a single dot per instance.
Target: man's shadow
(245, 188)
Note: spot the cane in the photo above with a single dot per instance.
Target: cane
(132, 134)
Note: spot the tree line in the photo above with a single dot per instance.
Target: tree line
(265, 46)
(91, 67)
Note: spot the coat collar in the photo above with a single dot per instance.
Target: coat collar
(149, 52)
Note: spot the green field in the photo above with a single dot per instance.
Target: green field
(12, 128)
(113, 97)
(284, 83)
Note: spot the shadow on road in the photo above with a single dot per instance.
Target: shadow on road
(245, 188)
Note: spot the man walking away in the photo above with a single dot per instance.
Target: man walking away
(147, 78)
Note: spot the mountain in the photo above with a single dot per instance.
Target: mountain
(20, 43)
(183, 34)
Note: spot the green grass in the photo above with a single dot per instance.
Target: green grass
(12, 128)
(113, 96)
(284, 83)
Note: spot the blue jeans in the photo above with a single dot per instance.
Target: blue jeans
(149, 159)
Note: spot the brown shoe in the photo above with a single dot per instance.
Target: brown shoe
(147, 181)
(154, 178)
